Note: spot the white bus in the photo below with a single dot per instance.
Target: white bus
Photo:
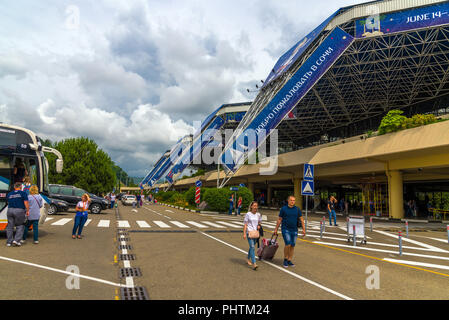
(22, 153)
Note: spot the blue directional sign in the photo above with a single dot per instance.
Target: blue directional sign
(198, 184)
(242, 185)
(234, 188)
(309, 172)
(156, 190)
(308, 188)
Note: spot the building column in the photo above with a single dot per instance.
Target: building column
(297, 192)
(251, 187)
(396, 194)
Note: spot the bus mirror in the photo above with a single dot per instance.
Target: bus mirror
(59, 165)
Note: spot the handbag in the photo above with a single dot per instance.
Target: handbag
(253, 234)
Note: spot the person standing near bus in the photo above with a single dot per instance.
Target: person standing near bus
(81, 215)
(18, 210)
(35, 201)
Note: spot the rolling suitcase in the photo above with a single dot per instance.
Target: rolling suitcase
(268, 249)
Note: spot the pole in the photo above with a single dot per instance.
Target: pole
(354, 239)
(321, 230)
(371, 223)
(400, 243)
(448, 234)
(307, 202)
(406, 227)
(324, 223)
(218, 175)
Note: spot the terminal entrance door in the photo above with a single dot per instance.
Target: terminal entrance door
(375, 199)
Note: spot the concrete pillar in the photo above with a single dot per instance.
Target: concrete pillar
(269, 195)
(297, 192)
(396, 194)
(251, 187)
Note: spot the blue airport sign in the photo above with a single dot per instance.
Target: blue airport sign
(242, 185)
(234, 188)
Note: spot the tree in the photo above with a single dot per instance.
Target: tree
(85, 166)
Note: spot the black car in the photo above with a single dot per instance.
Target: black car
(57, 205)
(73, 195)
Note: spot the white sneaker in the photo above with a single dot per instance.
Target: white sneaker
(17, 244)
(36, 242)
(22, 241)
(8, 244)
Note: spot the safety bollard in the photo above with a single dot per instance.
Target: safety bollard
(406, 228)
(400, 243)
(448, 234)
(347, 226)
(371, 223)
(324, 224)
(354, 237)
(321, 230)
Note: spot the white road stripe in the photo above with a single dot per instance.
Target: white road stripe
(103, 224)
(161, 224)
(420, 264)
(123, 243)
(87, 222)
(129, 282)
(143, 224)
(238, 223)
(199, 225)
(428, 246)
(123, 224)
(126, 264)
(213, 224)
(124, 251)
(179, 224)
(268, 226)
(229, 224)
(169, 211)
(283, 270)
(62, 222)
(48, 219)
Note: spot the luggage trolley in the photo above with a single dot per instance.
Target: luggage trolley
(359, 223)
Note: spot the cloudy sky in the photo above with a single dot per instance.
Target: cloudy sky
(135, 75)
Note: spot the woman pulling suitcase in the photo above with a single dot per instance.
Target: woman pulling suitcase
(252, 222)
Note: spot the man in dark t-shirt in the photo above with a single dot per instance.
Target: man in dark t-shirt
(289, 216)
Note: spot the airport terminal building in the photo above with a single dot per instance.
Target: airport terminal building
(376, 57)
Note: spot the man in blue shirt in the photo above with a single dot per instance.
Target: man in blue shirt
(289, 216)
(18, 210)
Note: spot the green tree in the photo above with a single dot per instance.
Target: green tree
(85, 166)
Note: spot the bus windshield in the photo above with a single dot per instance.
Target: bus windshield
(5, 173)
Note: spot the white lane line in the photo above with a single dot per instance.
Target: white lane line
(87, 222)
(381, 250)
(126, 264)
(154, 212)
(229, 224)
(420, 264)
(48, 219)
(143, 224)
(283, 270)
(213, 224)
(440, 240)
(268, 226)
(428, 246)
(179, 224)
(103, 224)
(123, 224)
(61, 222)
(199, 225)
(62, 271)
(169, 211)
(161, 224)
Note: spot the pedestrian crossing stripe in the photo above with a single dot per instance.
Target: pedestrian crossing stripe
(193, 223)
(161, 224)
(179, 224)
(87, 222)
(213, 224)
(103, 224)
(123, 224)
(61, 222)
(143, 224)
(228, 224)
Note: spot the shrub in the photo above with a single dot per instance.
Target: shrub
(395, 121)
(217, 199)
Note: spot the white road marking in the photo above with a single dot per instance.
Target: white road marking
(179, 224)
(62, 222)
(87, 222)
(126, 264)
(48, 219)
(283, 270)
(161, 224)
(213, 224)
(169, 211)
(123, 243)
(193, 223)
(268, 226)
(229, 224)
(123, 224)
(419, 264)
(384, 251)
(62, 271)
(143, 224)
(124, 251)
(129, 282)
(440, 240)
(428, 246)
(103, 224)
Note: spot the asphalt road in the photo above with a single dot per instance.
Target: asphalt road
(190, 256)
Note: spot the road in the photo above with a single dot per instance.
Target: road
(172, 254)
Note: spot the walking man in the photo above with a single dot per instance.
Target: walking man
(231, 204)
(289, 216)
(18, 210)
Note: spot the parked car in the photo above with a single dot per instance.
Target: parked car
(57, 205)
(72, 195)
(128, 199)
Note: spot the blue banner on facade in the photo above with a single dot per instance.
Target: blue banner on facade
(290, 57)
(153, 171)
(286, 99)
(418, 18)
(195, 150)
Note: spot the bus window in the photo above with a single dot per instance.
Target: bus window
(32, 171)
(5, 173)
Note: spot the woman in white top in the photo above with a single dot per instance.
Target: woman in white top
(81, 215)
(252, 222)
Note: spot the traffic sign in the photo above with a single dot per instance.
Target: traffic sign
(234, 188)
(307, 188)
(242, 185)
(156, 190)
(199, 184)
(309, 172)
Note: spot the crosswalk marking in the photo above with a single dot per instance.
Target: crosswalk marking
(48, 219)
(228, 224)
(213, 224)
(179, 224)
(103, 224)
(62, 222)
(123, 224)
(161, 224)
(199, 225)
(239, 223)
(143, 224)
(268, 226)
(87, 222)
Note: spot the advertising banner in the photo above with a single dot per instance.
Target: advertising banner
(286, 99)
(153, 171)
(418, 18)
